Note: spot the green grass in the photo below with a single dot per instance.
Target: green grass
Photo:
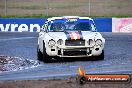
(26, 16)
(44, 16)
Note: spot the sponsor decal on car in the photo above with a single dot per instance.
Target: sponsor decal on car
(74, 35)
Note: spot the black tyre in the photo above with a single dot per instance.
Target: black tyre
(100, 57)
(46, 57)
(39, 54)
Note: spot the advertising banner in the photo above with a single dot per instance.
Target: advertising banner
(34, 24)
(122, 25)
(103, 24)
(21, 24)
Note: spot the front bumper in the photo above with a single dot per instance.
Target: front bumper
(75, 52)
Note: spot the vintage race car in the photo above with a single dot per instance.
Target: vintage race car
(69, 36)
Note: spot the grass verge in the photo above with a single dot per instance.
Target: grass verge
(44, 16)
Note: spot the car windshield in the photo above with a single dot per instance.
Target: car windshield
(71, 25)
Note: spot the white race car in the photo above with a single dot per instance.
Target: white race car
(69, 36)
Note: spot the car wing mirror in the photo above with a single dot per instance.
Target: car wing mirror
(42, 30)
(95, 30)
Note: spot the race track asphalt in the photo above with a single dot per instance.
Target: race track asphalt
(118, 57)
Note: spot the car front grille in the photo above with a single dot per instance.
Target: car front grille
(74, 52)
(75, 43)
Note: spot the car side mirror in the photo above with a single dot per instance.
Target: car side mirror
(95, 30)
(42, 30)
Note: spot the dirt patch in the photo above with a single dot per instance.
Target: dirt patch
(57, 83)
(15, 63)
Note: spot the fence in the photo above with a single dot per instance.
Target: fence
(66, 7)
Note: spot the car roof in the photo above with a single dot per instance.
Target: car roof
(69, 17)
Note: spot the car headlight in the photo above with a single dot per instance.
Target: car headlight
(60, 42)
(98, 42)
(51, 43)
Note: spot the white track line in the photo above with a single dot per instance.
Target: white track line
(17, 38)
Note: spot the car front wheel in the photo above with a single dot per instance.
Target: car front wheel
(100, 57)
(46, 57)
(39, 54)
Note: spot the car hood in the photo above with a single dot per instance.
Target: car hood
(74, 34)
(57, 35)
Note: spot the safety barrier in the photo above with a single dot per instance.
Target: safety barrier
(34, 24)
(21, 24)
(122, 25)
